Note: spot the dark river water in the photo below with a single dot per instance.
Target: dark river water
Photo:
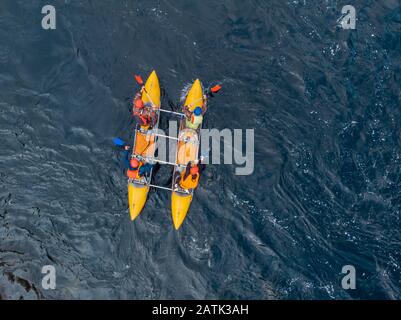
(325, 192)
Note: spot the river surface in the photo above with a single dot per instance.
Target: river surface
(325, 104)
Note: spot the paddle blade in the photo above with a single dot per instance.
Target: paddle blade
(139, 80)
(118, 142)
(215, 89)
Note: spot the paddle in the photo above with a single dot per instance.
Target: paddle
(139, 80)
(202, 157)
(119, 142)
(214, 89)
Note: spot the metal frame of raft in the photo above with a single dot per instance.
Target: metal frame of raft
(153, 159)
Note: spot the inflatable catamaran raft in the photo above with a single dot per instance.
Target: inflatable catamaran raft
(144, 148)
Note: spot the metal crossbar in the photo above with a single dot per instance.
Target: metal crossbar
(160, 187)
(164, 136)
(173, 112)
(171, 137)
(158, 135)
(165, 162)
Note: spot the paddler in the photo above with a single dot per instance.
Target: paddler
(137, 169)
(190, 177)
(194, 117)
(145, 116)
(195, 120)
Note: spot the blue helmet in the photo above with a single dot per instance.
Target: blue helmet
(197, 111)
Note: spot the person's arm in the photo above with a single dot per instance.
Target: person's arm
(186, 111)
(202, 167)
(153, 118)
(142, 170)
(204, 109)
(126, 159)
(187, 169)
(145, 168)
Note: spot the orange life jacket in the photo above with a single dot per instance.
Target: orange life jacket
(188, 182)
(138, 103)
(134, 174)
